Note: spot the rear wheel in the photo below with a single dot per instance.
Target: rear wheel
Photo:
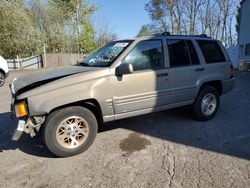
(70, 131)
(2, 79)
(206, 104)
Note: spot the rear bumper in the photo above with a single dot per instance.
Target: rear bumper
(228, 85)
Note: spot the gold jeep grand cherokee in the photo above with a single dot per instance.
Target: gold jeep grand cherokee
(124, 78)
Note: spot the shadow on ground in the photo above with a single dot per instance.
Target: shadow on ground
(34, 146)
(228, 133)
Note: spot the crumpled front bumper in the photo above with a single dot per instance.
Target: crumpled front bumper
(21, 123)
(19, 130)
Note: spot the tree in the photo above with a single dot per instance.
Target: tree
(18, 35)
(77, 15)
(212, 17)
(51, 22)
(148, 30)
(238, 15)
(103, 33)
(157, 11)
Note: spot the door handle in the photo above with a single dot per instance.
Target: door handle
(162, 74)
(200, 69)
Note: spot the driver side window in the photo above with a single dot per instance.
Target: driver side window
(146, 55)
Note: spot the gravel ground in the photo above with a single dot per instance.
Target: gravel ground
(165, 149)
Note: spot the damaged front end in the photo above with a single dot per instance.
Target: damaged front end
(30, 126)
(26, 123)
(20, 106)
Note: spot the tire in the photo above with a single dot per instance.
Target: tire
(2, 79)
(70, 131)
(205, 110)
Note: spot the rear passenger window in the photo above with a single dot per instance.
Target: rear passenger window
(178, 53)
(211, 51)
(193, 54)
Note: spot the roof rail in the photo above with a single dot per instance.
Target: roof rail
(168, 34)
(203, 35)
(162, 34)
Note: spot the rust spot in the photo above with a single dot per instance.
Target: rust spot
(133, 143)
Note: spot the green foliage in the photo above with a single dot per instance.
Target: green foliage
(78, 14)
(18, 36)
(59, 25)
(148, 30)
(87, 38)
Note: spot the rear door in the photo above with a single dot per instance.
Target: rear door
(184, 70)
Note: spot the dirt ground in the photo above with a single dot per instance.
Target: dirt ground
(165, 149)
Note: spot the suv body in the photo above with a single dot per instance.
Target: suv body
(123, 79)
(4, 70)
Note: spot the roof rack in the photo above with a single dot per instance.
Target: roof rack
(162, 34)
(168, 34)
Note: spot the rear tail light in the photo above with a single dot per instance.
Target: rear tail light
(231, 71)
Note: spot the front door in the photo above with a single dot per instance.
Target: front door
(146, 87)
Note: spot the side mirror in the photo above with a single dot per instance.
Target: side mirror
(124, 68)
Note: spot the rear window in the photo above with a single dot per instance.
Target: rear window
(211, 51)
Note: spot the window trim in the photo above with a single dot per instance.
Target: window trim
(163, 55)
(246, 48)
(191, 61)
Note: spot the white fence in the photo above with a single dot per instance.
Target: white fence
(48, 61)
(233, 53)
(34, 62)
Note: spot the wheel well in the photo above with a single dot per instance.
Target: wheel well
(217, 84)
(90, 104)
(2, 71)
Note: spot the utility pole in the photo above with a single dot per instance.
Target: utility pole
(78, 26)
(44, 56)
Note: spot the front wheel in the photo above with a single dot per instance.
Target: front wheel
(206, 104)
(70, 131)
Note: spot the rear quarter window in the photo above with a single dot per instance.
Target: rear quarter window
(211, 50)
(247, 51)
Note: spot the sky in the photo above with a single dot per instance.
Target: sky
(125, 17)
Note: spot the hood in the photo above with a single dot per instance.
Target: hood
(43, 76)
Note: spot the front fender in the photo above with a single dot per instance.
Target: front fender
(45, 102)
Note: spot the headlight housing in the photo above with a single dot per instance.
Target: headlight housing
(21, 109)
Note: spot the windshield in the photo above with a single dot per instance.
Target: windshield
(105, 56)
